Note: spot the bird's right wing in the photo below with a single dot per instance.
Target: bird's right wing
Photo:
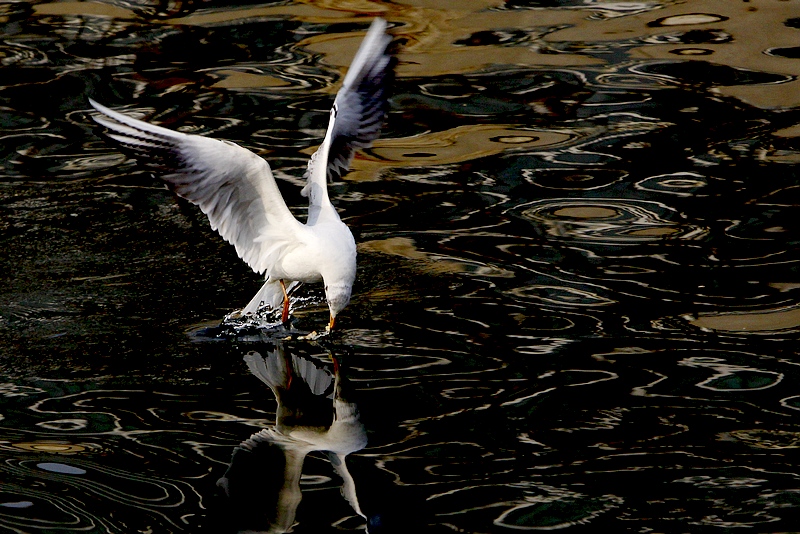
(231, 185)
(363, 101)
(357, 115)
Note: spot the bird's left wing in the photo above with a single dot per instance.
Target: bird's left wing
(356, 117)
(231, 185)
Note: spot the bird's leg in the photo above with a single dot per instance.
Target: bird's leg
(289, 373)
(285, 314)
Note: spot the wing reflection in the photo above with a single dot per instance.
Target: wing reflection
(313, 414)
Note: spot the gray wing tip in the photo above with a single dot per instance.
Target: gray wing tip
(372, 48)
(378, 25)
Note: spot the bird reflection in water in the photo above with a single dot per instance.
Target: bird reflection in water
(313, 414)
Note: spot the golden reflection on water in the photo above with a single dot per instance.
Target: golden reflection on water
(307, 12)
(761, 321)
(84, 8)
(53, 447)
(585, 212)
(431, 30)
(755, 27)
(743, 35)
(427, 263)
(784, 286)
(236, 79)
(456, 145)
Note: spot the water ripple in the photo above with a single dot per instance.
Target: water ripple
(577, 297)
(609, 221)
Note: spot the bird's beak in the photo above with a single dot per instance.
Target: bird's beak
(331, 323)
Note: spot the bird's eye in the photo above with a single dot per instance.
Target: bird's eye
(326, 289)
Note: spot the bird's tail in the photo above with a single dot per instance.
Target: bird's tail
(269, 296)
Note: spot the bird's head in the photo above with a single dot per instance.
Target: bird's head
(338, 296)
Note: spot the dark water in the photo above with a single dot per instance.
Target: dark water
(577, 300)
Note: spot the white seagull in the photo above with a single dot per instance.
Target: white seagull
(237, 191)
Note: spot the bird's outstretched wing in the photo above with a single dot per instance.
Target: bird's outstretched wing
(233, 186)
(356, 117)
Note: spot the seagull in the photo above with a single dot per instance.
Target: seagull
(235, 188)
(314, 413)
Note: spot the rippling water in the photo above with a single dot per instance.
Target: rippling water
(577, 299)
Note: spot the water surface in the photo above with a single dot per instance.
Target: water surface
(577, 299)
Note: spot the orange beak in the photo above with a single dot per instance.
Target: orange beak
(331, 323)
